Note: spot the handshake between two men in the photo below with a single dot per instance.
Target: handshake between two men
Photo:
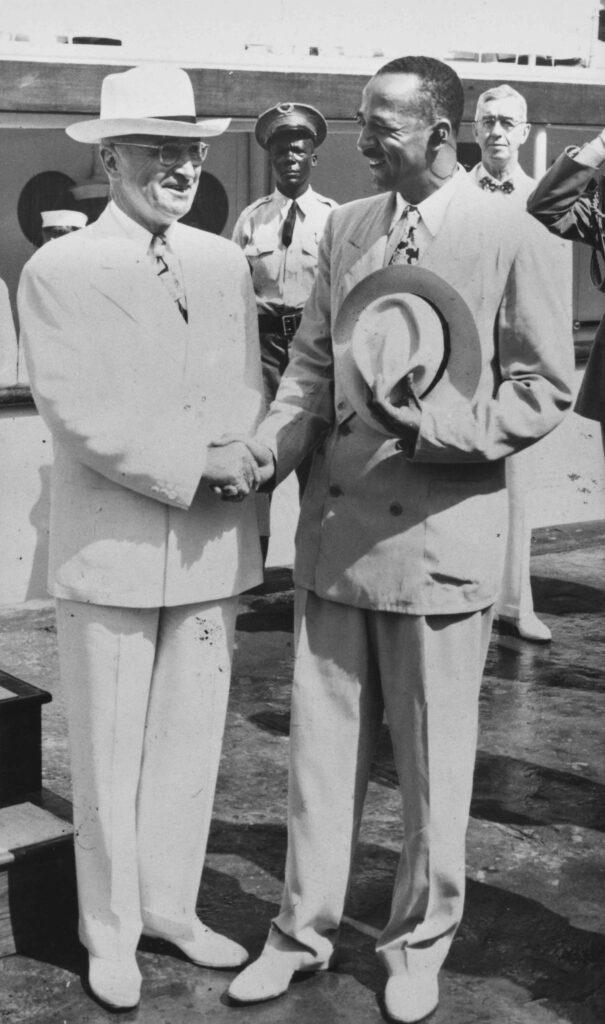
(235, 466)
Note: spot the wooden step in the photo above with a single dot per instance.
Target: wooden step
(20, 738)
(37, 873)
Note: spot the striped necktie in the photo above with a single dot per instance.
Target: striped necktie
(167, 268)
(406, 250)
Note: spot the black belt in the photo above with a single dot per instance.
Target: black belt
(286, 323)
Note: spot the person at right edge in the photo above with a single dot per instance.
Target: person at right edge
(570, 201)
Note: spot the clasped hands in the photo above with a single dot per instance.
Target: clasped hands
(237, 465)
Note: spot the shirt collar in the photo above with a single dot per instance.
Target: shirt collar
(304, 202)
(515, 177)
(134, 231)
(432, 209)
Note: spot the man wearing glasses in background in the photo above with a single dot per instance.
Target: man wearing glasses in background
(141, 342)
(500, 129)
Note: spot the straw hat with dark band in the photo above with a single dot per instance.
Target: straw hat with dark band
(152, 99)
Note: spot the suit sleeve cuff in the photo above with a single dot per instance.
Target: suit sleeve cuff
(592, 154)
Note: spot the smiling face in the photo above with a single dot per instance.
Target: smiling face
(152, 195)
(500, 130)
(292, 156)
(395, 136)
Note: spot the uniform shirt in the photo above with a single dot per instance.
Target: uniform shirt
(282, 277)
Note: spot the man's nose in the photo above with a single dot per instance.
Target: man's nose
(186, 167)
(365, 138)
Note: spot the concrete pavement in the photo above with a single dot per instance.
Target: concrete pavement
(531, 949)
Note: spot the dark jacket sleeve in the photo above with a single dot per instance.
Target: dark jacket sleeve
(564, 201)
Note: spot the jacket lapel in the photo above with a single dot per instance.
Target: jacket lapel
(119, 271)
(366, 245)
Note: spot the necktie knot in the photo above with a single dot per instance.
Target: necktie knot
(491, 185)
(167, 269)
(406, 250)
(290, 221)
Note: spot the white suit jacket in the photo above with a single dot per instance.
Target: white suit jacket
(132, 395)
(423, 533)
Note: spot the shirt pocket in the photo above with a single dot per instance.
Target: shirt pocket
(264, 261)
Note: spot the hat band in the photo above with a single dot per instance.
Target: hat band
(447, 347)
(174, 117)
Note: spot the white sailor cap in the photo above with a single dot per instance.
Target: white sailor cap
(63, 219)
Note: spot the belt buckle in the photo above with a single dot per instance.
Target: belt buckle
(289, 324)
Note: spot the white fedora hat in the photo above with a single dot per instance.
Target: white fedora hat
(402, 320)
(151, 99)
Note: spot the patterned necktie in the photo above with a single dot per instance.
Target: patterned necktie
(493, 186)
(406, 250)
(288, 228)
(166, 267)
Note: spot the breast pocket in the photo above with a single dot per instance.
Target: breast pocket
(264, 262)
(310, 249)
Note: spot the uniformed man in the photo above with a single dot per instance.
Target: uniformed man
(280, 234)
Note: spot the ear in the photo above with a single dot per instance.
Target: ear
(109, 159)
(441, 133)
(526, 131)
(314, 160)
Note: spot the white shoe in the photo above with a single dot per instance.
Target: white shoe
(270, 975)
(411, 999)
(206, 948)
(528, 627)
(117, 983)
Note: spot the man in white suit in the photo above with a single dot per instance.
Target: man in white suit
(401, 536)
(141, 343)
(500, 129)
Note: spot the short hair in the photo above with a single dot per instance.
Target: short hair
(440, 90)
(501, 92)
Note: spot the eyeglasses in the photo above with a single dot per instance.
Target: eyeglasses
(506, 123)
(171, 153)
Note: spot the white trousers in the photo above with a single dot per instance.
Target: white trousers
(515, 599)
(146, 692)
(350, 665)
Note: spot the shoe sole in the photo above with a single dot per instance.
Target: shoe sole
(110, 1007)
(282, 992)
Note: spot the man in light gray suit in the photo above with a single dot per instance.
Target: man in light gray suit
(401, 535)
(141, 343)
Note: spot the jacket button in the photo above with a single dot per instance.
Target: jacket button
(401, 446)
(340, 405)
(395, 508)
(335, 490)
